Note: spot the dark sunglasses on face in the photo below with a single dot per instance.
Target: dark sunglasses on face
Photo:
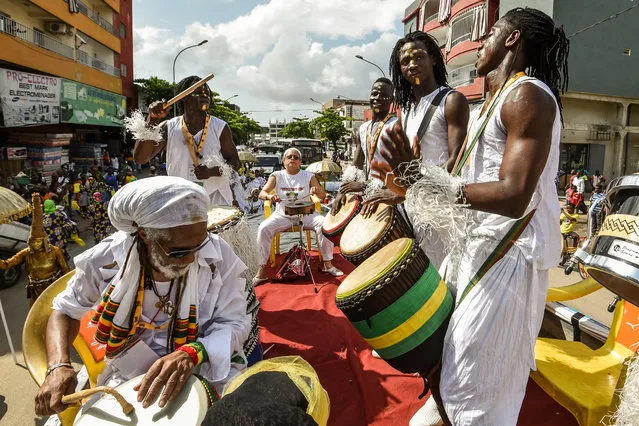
(292, 157)
(178, 254)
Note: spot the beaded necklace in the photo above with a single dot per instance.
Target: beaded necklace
(371, 149)
(195, 156)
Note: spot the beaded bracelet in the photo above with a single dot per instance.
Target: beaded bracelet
(196, 351)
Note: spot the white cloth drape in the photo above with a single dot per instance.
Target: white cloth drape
(449, 38)
(444, 10)
(479, 27)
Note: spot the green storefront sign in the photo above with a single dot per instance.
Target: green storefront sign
(82, 104)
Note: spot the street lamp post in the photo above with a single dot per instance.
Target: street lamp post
(372, 63)
(174, 60)
(227, 99)
(317, 102)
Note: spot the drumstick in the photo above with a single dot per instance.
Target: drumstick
(187, 92)
(75, 397)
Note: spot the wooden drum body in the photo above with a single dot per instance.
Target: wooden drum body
(334, 225)
(222, 218)
(365, 236)
(188, 409)
(613, 254)
(400, 305)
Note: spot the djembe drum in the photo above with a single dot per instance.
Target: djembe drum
(612, 256)
(364, 236)
(188, 408)
(400, 305)
(222, 218)
(335, 224)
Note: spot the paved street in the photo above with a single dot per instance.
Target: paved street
(17, 389)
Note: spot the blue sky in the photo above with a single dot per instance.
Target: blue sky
(273, 54)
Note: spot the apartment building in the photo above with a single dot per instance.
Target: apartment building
(601, 106)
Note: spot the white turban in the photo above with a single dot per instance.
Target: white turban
(158, 202)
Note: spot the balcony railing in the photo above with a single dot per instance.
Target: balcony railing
(16, 29)
(84, 58)
(462, 27)
(95, 17)
(431, 18)
(462, 76)
(37, 38)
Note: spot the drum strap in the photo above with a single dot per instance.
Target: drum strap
(499, 252)
(430, 112)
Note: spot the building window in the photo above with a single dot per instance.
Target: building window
(122, 30)
(123, 70)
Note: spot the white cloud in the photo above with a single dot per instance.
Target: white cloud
(271, 57)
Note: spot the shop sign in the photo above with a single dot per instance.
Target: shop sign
(82, 104)
(28, 98)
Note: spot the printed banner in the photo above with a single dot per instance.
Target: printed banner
(84, 104)
(29, 99)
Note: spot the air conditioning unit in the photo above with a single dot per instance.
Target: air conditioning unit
(56, 27)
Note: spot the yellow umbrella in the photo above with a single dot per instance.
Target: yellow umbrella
(12, 206)
(324, 167)
(247, 157)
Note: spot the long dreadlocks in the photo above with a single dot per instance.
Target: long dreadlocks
(403, 89)
(185, 84)
(545, 47)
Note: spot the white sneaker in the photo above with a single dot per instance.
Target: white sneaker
(427, 415)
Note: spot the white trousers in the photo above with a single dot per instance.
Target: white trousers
(278, 222)
(489, 345)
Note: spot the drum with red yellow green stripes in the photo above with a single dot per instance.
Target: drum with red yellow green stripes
(400, 305)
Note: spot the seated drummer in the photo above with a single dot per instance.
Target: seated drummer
(290, 185)
(169, 298)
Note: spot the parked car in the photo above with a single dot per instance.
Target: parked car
(268, 162)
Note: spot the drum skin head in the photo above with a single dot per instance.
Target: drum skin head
(332, 222)
(375, 267)
(361, 232)
(189, 408)
(221, 215)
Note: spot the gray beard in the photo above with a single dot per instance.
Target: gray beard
(170, 272)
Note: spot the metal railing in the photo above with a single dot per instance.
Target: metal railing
(462, 26)
(462, 76)
(35, 37)
(95, 17)
(84, 58)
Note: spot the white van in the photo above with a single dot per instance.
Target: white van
(268, 162)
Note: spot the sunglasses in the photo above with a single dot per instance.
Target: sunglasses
(178, 254)
(292, 157)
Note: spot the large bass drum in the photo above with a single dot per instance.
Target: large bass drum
(400, 305)
(613, 254)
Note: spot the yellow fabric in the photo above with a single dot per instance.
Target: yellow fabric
(301, 373)
(414, 323)
(568, 222)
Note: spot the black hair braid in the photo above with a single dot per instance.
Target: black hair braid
(545, 47)
(403, 89)
(184, 84)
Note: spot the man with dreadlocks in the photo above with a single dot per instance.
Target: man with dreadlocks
(434, 117)
(513, 239)
(169, 297)
(194, 137)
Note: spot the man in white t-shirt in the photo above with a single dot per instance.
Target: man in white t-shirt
(290, 185)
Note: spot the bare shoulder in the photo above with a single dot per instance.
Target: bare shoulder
(456, 105)
(528, 103)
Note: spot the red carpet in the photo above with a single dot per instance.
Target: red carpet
(363, 390)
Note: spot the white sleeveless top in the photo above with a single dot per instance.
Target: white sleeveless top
(369, 128)
(179, 161)
(291, 188)
(540, 242)
(434, 143)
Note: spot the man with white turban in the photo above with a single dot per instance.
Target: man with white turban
(170, 298)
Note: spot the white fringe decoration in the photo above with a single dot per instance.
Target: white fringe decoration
(141, 131)
(353, 174)
(241, 238)
(372, 186)
(217, 161)
(432, 204)
(628, 412)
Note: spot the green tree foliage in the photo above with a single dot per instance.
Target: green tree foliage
(330, 126)
(298, 128)
(240, 124)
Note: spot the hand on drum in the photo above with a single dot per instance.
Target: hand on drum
(340, 200)
(352, 186)
(275, 198)
(169, 372)
(48, 401)
(382, 196)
